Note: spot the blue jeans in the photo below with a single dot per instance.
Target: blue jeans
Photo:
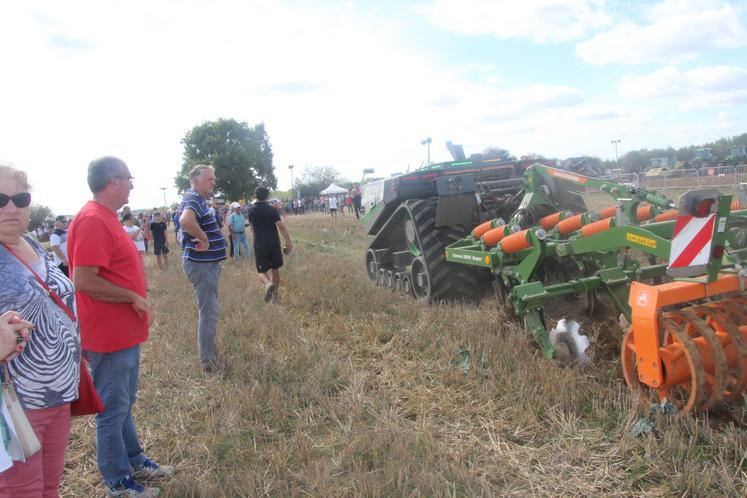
(115, 376)
(204, 279)
(241, 241)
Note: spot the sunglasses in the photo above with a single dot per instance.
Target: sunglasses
(21, 200)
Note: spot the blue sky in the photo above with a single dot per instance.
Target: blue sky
(355, 84)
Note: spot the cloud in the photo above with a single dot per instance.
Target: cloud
(67, 42)
(293, 88)
(703, 86)
(543, 21)
(673, 32)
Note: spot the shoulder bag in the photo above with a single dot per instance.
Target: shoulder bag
(24, 433)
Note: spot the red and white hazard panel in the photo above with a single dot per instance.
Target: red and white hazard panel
(692, 238)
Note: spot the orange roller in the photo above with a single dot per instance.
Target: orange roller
(735, 205)
(645, 212)
(608, 212)
(596, 227)
(550, 220)
(480, 229)
(492, 237)
(571, 224)
(668, 215)
(516, 242)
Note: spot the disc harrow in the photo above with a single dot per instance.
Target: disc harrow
(687, 341)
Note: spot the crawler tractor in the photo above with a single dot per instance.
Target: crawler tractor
(415, 216)
(673, 272)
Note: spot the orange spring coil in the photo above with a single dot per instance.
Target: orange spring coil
(516, 242)
(571, 224)
(608, 212)
(667, 215)
(480, 229)
(550, 220)
(492, 237)
(645, 212)
(596, 227)
(735, 205)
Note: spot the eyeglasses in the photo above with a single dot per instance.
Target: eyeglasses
(21, 200)
(128, 178)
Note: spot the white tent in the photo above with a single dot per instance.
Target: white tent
(333, 189)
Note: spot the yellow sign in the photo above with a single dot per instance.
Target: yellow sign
(643, 241)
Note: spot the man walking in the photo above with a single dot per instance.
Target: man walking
(203, 248)
(237, 230)
(333, 206)
(58, 243)
(357, 200)
(114, 316)
(158, 230)
(268, 255)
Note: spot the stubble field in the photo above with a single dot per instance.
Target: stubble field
(345, 389)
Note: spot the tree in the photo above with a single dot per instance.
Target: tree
(314, 179)
(240, 154)
(496, 153)
(39, 215)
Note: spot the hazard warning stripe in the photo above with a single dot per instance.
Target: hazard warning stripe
(691, 241)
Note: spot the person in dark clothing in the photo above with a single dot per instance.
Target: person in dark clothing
(268, 255)
(160, 244)
(357, 200)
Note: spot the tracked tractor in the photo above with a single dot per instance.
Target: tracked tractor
(673, 272)
(413, 218)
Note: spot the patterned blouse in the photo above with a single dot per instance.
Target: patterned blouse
(47, 373)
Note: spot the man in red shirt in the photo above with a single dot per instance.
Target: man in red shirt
(114, 315)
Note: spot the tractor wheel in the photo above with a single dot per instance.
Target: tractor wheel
(421, 282)
(372, 268)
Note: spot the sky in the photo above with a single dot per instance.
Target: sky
(359, 84)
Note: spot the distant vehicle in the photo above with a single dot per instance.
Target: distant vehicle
(703, 154)
(662, 162)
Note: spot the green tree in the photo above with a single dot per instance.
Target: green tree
(314, 179)
(39, 215)
(496, 153)
(240, 154)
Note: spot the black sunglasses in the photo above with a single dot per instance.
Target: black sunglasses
(21, 200)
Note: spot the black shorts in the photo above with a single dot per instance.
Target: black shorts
(268, 258)
(159, 249)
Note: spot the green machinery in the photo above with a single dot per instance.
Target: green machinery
(543, 252)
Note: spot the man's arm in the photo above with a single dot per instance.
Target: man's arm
(86, 279)
(188, 222)
(285, 235)
(58, 251)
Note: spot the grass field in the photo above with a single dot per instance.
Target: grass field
(345, 389)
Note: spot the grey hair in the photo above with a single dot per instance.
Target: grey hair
(197, 171)
(102, 170)
(8, 171)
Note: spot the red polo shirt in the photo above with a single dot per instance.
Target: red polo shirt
(96, 238)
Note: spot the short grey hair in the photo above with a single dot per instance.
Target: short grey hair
(102, 170)
(10, 172)
(197, 171)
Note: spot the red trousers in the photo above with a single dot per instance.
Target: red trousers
(39, 476)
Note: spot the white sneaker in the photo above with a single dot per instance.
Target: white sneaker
(269, 291)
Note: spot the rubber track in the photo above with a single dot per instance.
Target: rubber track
(448, 280)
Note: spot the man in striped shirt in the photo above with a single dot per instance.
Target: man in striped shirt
(203, 249)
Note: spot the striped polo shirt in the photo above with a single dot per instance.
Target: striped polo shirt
(217, 249)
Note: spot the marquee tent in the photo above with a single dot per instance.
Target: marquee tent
(333, 189)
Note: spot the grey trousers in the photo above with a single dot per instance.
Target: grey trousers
(204, 278)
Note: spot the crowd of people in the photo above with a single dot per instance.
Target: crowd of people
(86, 308)
(333, 204)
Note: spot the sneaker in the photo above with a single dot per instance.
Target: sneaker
(130, 488)
(151, 470)
(269, 291)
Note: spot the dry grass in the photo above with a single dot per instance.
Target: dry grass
(347, 390)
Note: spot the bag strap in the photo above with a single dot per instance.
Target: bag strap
(56, 298)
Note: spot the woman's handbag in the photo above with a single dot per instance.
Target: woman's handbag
(88, 402)
(24, 433)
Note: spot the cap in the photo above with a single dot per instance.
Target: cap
(61, 218)
(234, 205)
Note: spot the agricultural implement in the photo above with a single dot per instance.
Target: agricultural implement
(673, 272)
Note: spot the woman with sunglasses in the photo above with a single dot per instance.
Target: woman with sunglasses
(46, 373)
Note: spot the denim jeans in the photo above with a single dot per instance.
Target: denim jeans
(115, 376)
(241, 241)
(204, 279)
